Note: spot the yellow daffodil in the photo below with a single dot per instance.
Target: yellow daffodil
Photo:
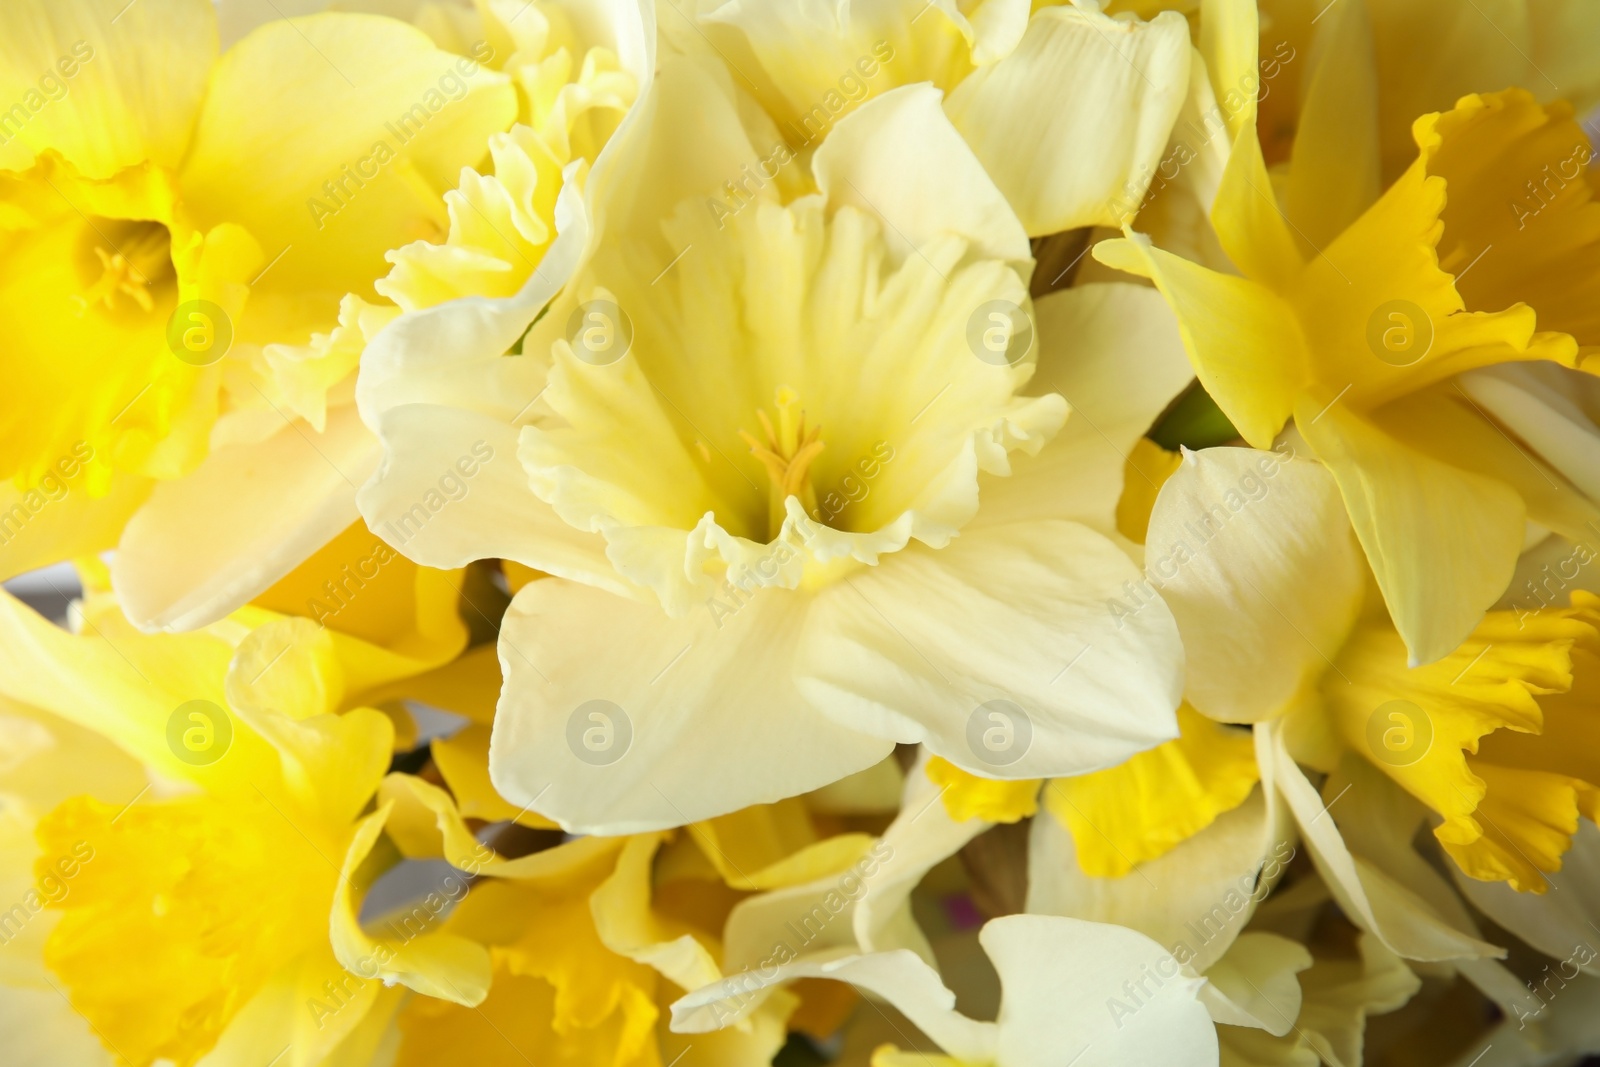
(45, 760)
(1427, 54)
(571, 954)
(750, 478)
(214, 202)
(215, 880)
(1354, 310)
(158, 232)
(1493, 738)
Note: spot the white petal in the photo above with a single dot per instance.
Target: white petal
(1113, 351)
(1371, 899)
(899, 977)
(920, 838)
(867, 161)
(1551, 922)
(1254, 984)
(451, 490)
(914, 650)
(1062, 981)
(870, 914)
(1198, 896)
(1072, 124)
(1550, 408)
(42, 1030)
(705, 709)
(1255, 557)
(206, 544)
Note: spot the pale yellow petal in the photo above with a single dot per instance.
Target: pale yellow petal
(1072, 124)
(1442, 542)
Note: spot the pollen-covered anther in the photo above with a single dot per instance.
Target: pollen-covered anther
(786, 453)
(130, 269)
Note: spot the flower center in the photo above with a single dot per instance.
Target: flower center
(133, 258)
(786, 451)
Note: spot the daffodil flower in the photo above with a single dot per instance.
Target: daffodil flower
(44, 761)
(1489, 743)
(1356, 307)
(214, 880)
(572, 953)
(139, 203)
(745, 447)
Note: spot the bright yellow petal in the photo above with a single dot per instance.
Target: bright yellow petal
(630, 925)
(1250, 225)
(1381, 308)
(1125, 815)
(347, 158)
(463, 760)
(1242, 338)
(1447, 423)
(1521, 194)
(90, 273)
(1509, 802)
(105, 89)
(1145, 471)
(515, 1026)
(390, 617)
(1526, 821)
(966, 796)
(36, 530)
(771, 845)
(889, 1056)
(205, 901)
(1334, 173)
(409, 947)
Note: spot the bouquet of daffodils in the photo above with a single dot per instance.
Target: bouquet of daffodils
(727, 533)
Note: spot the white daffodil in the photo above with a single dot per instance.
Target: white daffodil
(745, 445)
